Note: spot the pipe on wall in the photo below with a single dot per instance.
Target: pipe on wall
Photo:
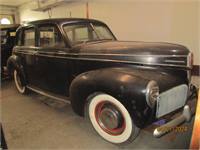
(87, 10)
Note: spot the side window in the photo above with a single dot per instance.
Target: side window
(81, 34)
(29, 37)
(50, 37)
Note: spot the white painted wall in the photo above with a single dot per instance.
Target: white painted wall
(176, 21)
(199, 35)
(168, 21)
(76, 9)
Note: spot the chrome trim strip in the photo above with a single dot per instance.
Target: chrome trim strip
(189, 57)
(47, 95)
(174, 61)
(100, 54)
(107, 60)
(97, 54)
(29, 53)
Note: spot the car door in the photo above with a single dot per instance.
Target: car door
(27, 50)
(53, 67)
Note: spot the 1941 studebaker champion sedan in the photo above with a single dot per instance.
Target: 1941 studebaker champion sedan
(119, 86)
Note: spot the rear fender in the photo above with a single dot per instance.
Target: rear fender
(14, 62)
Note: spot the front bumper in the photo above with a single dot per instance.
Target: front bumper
(178, 118)
(169, 126)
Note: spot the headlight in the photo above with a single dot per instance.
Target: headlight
(152, 93)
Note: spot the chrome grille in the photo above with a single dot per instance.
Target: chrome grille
(171, 100)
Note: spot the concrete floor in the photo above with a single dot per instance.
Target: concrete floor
(34, 121)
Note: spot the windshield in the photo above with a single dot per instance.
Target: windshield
(87, 32)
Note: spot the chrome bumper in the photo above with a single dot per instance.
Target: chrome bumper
(185, 116)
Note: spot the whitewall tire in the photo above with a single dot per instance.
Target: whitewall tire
(21, 88)
(110, 119)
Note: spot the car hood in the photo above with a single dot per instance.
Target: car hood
(149, 53)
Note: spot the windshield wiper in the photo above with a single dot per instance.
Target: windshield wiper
(97, 40)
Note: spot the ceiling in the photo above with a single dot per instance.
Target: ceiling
(14, 3)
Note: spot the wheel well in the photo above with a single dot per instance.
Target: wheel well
(12, 66)
(81, 100)
(88, 98)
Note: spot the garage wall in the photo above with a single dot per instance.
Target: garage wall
(199, 34)
(66, 10)
(169, 21)
(6, 10)
(174, 21)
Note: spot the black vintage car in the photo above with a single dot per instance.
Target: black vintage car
(120, 86)
(7, 34)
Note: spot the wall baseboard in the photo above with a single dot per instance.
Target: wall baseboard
(196, 70)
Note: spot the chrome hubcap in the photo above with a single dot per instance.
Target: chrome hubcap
(109, 118)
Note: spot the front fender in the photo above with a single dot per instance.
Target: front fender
(128, 89)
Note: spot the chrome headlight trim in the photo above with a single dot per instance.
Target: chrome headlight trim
(190, 60)
(152, 93)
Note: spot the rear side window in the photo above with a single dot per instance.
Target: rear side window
(29, 37)
(50, 37)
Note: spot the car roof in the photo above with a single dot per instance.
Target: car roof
(63, 21)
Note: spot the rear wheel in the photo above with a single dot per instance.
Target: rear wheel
(18, 83)
(110, 119)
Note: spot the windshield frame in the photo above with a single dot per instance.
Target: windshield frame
(90, 24)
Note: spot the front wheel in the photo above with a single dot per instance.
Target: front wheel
(18, 83)
(110, 119)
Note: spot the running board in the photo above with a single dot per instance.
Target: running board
(47, 94)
